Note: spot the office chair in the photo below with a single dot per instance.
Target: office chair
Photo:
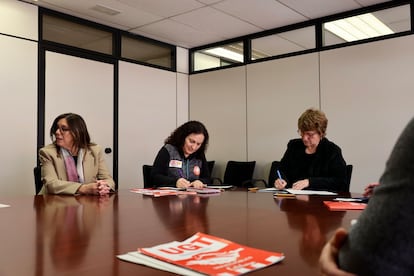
(37, 179)
(349, 168)
(146, 173)
(238, 173)
(211, 166)
(272, 176)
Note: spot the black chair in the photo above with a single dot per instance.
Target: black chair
(238, 173)
(146, 173)
(272, 175)
(210, 165)
(37, 179)
(349, 168)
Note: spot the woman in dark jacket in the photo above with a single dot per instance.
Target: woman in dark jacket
(181, 162)
(312, 162)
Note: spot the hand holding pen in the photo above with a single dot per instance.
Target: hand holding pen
(280, 183)
(182, 182)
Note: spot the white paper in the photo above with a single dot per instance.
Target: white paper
(4, 205)
(268, 190)
(309, 192)
(219, 186)
(138, 258)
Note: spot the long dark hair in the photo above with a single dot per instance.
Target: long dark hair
(77, 125)
(177, 137)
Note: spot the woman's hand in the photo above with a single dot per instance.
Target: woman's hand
(182, 183)
(197, 184)
(329, 255)
(301, 184)
(280, 184)
(369, 189)
(100, 187)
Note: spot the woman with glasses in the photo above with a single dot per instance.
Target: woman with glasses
(312, 161)
(72, 164)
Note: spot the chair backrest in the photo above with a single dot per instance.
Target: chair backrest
(146, 173)
(210, 165)
(37, 179)
(349, 168)
(239, 173)
(273, 174)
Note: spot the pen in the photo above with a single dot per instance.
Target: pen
(279, 175)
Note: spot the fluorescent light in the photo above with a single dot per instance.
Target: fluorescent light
(221, 52)
(358, 27)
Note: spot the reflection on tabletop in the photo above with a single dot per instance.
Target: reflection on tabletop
(183, 213)
(314, 225)
(66, 222)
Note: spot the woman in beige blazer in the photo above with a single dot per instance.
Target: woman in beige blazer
(72, 164)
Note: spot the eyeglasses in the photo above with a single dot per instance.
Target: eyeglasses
(62, 129)
(308, 134)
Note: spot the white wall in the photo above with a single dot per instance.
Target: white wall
(18, 97)
(367, 92)
(147, 115)
(278, 92)
(218, 99)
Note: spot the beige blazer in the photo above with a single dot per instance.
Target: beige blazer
(54, 176)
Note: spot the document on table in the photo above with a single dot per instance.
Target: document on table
(268, 190)
(4, 205)
(309, 192)
(299, 192)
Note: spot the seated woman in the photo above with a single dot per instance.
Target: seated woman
(181, 162)
(312, 162)
(72, 164)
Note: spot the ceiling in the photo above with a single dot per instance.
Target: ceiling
(192, 23)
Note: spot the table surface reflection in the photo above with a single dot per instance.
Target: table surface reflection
(67, 235)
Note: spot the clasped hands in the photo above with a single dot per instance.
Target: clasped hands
(280, 184)
(184, 183)
(100, 187)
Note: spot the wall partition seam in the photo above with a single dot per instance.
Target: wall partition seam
(115, 125)
(246, 115)
(319, 80)
(40, 100)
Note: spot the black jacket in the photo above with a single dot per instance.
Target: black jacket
(325, 169)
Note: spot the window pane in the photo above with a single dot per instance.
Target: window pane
(147, 52)
(283, 43)
(368, 25)
(74, 34)
(220, 56)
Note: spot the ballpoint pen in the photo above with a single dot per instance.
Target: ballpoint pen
(279, 175)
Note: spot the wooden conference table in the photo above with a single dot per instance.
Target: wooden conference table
(67, 235)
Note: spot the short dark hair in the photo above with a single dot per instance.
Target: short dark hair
(77, 125)
(313, 119)
(177, 137)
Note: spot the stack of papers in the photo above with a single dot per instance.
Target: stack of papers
(165, 191)
(161, 192)
(203, 254)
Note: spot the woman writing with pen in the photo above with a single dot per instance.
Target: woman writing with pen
(181, 162)
(312, 162)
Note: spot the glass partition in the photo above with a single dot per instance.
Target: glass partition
(146, 51)
(367, 25)
(220, 56)
(283, 43)
(70, 33)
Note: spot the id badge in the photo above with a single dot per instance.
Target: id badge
(176, 164)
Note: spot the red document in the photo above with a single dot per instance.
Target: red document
(344, 205)
(203, 254)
